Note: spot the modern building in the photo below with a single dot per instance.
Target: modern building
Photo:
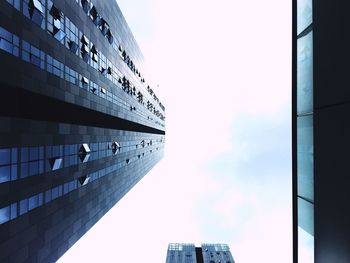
(321, 108)
(207, 253)
(80, 124)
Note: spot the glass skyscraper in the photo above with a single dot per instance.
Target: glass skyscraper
(80, 123)
(304, 130)
(207, 253)
(321, 106)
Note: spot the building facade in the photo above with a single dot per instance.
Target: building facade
(321, 106)
(80, 124)
(207, 253)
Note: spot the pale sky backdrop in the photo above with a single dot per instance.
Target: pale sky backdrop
(224, 74)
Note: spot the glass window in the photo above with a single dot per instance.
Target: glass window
(305, 246)
(84, 47)
(14, 3)
(55, 22)
(40, 199)
(72, 38)
(24, 170)
(5, 156)
(85, 4)
(306, 215)
(33, 153)
(33, 168)
(14, 172)
(33, 55)
(4, 214)
(33, 202)
(65, 188)
(13, 209)
(71, 75)
(54, 192)
(56, 163)
(84, 82)
(9, 42)
(102, 63)
(5, 174)
(305, 152)
(35, 10)
(305, 74)
(23, 206)
(94, 88)
(14, 155)
(55, 67)
(304, 14)
(24, 154)
(48, 196)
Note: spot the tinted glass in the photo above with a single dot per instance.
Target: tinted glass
(304, 16)
(305, 157)
(305, 74)
(305, 247)
(306, 215)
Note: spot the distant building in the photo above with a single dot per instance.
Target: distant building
(321, 131)
(207, 253)
(80, 123)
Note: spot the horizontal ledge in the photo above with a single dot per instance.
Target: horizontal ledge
(21, 103)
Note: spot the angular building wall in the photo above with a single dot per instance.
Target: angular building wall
(80, 124)
(321, 107)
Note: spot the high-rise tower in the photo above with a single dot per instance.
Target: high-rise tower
(207, 253)
(321, 108)
(80, 123)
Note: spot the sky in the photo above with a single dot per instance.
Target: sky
(224, 75)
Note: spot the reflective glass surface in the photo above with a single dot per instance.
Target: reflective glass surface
(305, 247)
(305, 74)
(305, 157)
(306, 215)
(304, 16)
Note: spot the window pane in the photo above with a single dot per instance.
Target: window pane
(5, 172)
(33, 153)
(6, 46)
(306, 215)
(305, 247)
(4, 214)
(305, 74)
(5, 34)
(33, 168)
(13, 210)
(33, 202)
(23, 206)
(305, 157)
(14, 155)
(14, 172)
(304, 16)
(5, 156)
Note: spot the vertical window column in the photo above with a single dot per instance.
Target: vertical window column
(305, 153)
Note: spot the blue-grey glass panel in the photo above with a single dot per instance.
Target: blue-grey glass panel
(304, 14)
(305, 74)
(13, 210)
(5, 156)
(305, 157)
(305, 247)
(14, 155)
(4, 214)
(23, 206)
(13, 172)
(5, 174)
(306, 215)
(33, 202)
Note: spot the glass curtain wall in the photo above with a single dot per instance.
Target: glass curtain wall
(305, 152)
